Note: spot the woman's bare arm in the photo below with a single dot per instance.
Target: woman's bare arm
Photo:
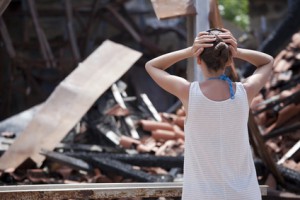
(264, 63)
(173, 84)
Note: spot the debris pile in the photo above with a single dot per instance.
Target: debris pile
(277, 109)
(91, 130)
(119, 139)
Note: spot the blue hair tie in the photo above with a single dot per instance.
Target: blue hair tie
(228, 80)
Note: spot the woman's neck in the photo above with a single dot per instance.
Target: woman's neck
(213, 74)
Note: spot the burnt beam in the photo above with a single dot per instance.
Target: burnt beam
(144, 160)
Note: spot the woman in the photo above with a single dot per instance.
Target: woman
(218, 163)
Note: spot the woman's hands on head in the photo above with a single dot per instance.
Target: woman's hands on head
(202, 41)
(230, 40)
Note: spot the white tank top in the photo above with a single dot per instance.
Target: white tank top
(218, 163)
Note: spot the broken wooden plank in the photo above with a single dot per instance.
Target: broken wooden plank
(91, 191)
(71, 32)
(76, 147)
(3, 5)
(126, 170)
(69, 102)
(44, 45)
(7, 39)
(261, 149)
(173, 8)
(74, 163)
(150, 107)
(97, 191)
(119, 99)
(145, 160)
(290, 153)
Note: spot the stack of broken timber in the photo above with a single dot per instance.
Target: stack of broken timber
(277, 112)
(120, 139)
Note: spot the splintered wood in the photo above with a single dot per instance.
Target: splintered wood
(173, 8)
(69, 102)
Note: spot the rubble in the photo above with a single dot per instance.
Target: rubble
(276, 112)
(118, 137)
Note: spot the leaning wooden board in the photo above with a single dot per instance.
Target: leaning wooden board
(69, 102)
(173, 8)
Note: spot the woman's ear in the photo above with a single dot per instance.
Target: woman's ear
(229, 62)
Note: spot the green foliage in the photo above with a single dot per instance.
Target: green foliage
(236, 11)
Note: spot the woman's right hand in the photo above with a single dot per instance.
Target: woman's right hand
(229, 39)
(203, 40)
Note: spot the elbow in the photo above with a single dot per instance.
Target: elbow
(149, 67)
(271, 61)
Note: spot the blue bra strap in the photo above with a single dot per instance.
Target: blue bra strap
(228, 80)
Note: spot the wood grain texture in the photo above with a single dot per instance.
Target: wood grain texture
(69, 102)
(173, 8)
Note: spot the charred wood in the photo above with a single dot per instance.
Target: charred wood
(291, 177)
(126, 170)
(145, 160)
(278, 105)
(281, 131)
(67, 160)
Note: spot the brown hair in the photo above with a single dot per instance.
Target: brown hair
(218, 55)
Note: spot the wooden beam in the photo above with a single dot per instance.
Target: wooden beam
(7, 39)
(174, 8)
(262, 150)
(69, 102)
(45, 47)
(71, 32)
(95, 191)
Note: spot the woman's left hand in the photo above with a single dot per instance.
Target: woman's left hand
(229, 39)
(202, 41)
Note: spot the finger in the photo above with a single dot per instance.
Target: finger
(227, 36)
(231, 42)
(204, 36)
(226, 30)
(205, 45)
(202, 33)
(205, 40)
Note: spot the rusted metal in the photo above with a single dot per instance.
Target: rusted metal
(95, 191)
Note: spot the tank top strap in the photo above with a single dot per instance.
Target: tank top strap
(241, 91)
(194, 89)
